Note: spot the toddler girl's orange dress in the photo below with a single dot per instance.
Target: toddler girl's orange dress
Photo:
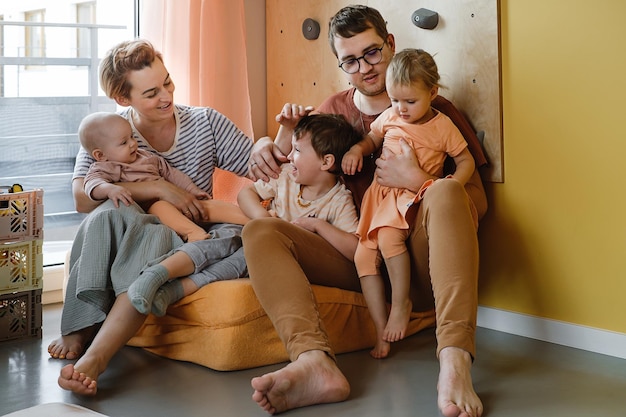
(432, 142)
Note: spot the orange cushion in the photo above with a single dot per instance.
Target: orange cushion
(222, 326)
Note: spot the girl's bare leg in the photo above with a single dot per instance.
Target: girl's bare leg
(374, 292)
(399, 268)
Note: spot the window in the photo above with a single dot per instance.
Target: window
(35, 45)
(40, 110)
(1, 54)
(85, 14)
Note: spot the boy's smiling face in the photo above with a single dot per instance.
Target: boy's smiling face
(305, 161)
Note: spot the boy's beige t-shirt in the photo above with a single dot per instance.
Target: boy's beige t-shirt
(336, 206)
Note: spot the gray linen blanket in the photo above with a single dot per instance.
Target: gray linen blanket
(111, 247)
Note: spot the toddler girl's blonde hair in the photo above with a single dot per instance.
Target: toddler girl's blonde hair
(413, 65)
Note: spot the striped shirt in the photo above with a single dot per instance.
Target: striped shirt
(205, 139)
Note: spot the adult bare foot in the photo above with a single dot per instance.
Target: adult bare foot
(78, 382)
(457, 397)
(313, 378)
(70, 346)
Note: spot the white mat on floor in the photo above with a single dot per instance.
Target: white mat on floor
(55, 409)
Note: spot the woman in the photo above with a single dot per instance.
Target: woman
(195, 140)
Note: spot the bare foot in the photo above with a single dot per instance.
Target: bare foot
(198, 235)
(398, 321)
(313, 378)
(381, 349)
(70, 346)
(78, 382)
(457, 397)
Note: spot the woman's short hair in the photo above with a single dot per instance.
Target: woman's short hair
(123, 58)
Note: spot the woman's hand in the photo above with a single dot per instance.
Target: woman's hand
(401, 170)
(265, 160)
(186, 202)
(268, 155)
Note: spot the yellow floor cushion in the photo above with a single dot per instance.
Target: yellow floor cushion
(222, 326)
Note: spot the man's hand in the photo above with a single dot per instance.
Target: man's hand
(400, 170)
(291, 114)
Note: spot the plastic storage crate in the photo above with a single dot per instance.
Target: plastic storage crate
(21, 215)
(20, 315)
(21, 266)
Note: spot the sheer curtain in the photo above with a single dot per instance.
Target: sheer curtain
(204, 48)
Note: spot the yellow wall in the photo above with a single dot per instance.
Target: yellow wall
(554, 241)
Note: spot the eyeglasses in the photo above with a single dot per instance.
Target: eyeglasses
(372, 57)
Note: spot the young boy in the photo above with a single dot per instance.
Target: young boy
(108, 137)
(308, 191)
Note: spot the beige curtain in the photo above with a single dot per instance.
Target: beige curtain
(204, 48)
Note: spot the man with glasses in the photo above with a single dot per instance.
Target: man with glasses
(443, 244)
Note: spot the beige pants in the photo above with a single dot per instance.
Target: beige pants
(284, 260)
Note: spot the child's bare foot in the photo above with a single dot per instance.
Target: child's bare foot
(457, 397)
(313, 378)
(78, 382)
(381, 349)
(70, 346)
(196, 236)
(398, 321)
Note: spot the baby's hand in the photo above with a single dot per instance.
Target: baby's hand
(119, 194)
(352, 162)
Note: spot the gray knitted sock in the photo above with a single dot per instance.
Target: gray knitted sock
(141, 292)
(169, 293)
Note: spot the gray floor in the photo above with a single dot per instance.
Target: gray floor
(513, 375)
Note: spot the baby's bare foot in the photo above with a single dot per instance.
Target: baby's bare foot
(197, 236)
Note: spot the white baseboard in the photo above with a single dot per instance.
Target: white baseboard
(573, 335)
(52, 284)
